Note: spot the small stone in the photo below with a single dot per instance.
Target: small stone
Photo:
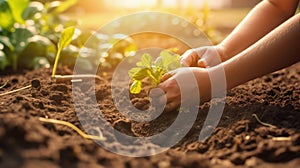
(36, 83)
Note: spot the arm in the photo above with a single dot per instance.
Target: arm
(263, 18)
(275, 51)
(260, 21)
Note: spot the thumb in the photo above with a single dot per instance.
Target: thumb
(202, 63)
(166, 76)
(188, 58)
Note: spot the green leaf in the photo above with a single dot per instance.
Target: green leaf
(65, 5)
(170, 61)
(146, 61)
(40, 62)
(17, 8)
(33, 8)
(138, 73)
(5, 41)
(6, 17)
(136, 87)
(146, 68)
(66, 37)
(132, 71)
(37, 46)
(65, 40)
(20, 39)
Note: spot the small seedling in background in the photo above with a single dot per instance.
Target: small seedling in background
(153, 69)
(65, 40)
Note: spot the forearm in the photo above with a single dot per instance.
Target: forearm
(261, 20)
(277, 50)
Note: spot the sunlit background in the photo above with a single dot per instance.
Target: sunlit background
(223, 13)
(165, 3)
(217, 18)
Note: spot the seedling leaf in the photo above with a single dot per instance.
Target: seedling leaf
(138, 73)
(154, 70)
(65, 40)
(136, 87)
(146, 61)
(66, 37)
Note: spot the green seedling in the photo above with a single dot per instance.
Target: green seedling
(153, 69)
(30, 31)
(23, 28)
(66, 38)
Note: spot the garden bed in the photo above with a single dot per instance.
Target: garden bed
(239, 140)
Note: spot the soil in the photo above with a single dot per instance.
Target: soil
(238, 141)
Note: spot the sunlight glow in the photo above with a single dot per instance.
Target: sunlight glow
(165, 3)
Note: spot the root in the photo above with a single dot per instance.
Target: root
(4, 85)
(282, 138)
(263, 123)
(77, 77)
(84, 135)
(16, 90)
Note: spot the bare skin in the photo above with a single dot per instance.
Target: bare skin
(266, 40)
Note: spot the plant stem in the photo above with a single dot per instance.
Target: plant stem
(56, 63)
(14, 61)
(16, 90)
(84, 135)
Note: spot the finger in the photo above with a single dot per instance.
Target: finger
(156, 92)
(159, 102)
(171, 106)
(188, 58)
(166, 76)
(202, 63)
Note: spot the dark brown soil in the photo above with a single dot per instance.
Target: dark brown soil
(238, 141)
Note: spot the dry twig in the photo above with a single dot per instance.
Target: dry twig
(263, 123)
(65, 123)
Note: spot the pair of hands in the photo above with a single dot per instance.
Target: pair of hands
(195, 61)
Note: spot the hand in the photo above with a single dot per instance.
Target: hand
(195, 80)
(203, 57)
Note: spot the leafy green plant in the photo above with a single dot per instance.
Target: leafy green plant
(30, 32)
(65, 40)
(153, 69)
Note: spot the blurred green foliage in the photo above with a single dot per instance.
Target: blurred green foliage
(30, 31)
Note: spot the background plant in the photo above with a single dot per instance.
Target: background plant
(30, 31)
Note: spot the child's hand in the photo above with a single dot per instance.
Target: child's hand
(194, 80)
(203, 57)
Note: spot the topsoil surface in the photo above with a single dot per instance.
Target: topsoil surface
(238, 141)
